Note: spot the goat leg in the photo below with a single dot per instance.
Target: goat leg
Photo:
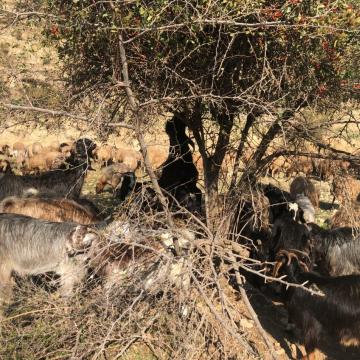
(310, 356)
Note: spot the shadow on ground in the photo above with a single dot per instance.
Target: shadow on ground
(273, 317)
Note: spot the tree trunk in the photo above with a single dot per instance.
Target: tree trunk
(250, 119)
(212, 163)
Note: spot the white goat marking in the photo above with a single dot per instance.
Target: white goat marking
(294, 207)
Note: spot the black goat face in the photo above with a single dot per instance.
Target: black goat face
(83, 148)
(175, 128)
(126, 186)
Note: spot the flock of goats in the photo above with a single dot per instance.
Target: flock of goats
(46, 226)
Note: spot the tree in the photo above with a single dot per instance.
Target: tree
(213, 62)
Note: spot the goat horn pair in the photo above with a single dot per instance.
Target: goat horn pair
(280, 263)
(293, 253)
(299, 252)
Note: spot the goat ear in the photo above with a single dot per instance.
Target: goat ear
(80, 239)
(89, 238)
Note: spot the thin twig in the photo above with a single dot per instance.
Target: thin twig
(60, 113)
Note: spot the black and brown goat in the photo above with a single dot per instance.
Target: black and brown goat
(148, 259)
(112, 176)
(57, 210)
(61, 183)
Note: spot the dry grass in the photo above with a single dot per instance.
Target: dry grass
(122, 317)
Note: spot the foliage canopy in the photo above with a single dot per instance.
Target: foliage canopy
(214, 60)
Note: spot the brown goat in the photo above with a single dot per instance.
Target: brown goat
(326, 168)
(57, 210)
(54, 145)
(104, 154)
(299, 164)
(157, 155)
(129, 157)
(226, 166)
(18, 146)
(302, 185)
(20, 160)
(279, 165)
(111, 175)
(35, 149)
(35, 163)
(54, 159)
(44, 161)
(345, 189)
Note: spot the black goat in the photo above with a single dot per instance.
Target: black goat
(336, 251)
(278, 199)
(127, 185)
(287, 233)
(290, 239)
(59, 183)
(178, 178)
(337, 311)
(285, 218)
(82, 151)
(290, 236)
(179, 175)
(5, 167)
(251, 219)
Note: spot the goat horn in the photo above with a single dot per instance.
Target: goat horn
(277, 267)
(304, 266)
(299, 252)
(288, 254)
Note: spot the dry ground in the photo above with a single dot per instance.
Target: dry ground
(271, 313)
(29, 72)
